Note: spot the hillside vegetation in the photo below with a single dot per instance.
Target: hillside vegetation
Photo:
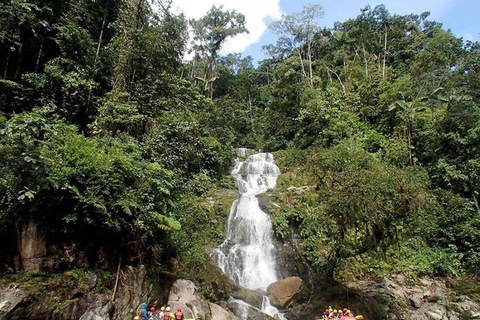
(108, 138)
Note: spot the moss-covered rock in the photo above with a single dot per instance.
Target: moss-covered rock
(252, 297)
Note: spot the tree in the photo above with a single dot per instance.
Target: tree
(297, 35)
(365, 203)
(407, 111)
(210, 33)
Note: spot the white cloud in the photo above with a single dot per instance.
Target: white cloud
(255, 12)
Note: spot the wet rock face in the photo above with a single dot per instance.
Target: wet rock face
(133, 290)
(218, 313)
(32, 247)
(83, 302)
(182, 295)
(417, 299)
(285, 291)
(247, 311)
(10, 298)
(252, 297)
(87, 300)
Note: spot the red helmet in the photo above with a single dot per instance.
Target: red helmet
(152, 309)
(179, 309)
(344, 309)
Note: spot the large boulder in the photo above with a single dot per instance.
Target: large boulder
(32, 246)
(182, 295)
(283, 292)
(9, 299)
(246, 311)
(412, 298)
(252, 297)
(218, 313)
(133, 289)
(72, 296)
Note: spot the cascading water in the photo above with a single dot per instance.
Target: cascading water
(247, 255)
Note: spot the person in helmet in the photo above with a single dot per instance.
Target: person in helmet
(179, 314)
(143, 311)
(325, 314)
(330, 313)
(160, 313)
(350, 313)
(150, 313)
(168, 315)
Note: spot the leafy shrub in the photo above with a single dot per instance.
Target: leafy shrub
(59, 177)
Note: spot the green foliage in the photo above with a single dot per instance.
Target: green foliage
(209, 34)
(119, 115)
(203, 219)
(362, 204)
(104, 130)
(54, 174)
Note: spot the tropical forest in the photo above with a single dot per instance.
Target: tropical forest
(341, 172)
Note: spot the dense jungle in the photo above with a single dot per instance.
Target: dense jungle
(116, 155)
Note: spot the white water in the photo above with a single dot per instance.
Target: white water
(247, 255)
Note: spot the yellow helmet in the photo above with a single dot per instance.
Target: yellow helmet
(348, 311)
(331, 310)
(162, 308)
(335, 311)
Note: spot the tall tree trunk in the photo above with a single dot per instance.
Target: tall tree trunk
(365, 60)
(101, 33)
(310, 69)
(250, 103)
(338, 77)
(409, 139)
(304, 74)
(5, 73)
(385, 52)
(18, 69)
(40, 51)
(139, 11)
(132, 84)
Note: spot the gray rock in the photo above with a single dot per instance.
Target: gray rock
(32, 246)
(250, 296)
(134, 289)
(263, 203)
(182, 295)
(99, 307)
(9, 299)
(246, 311)
(92, 281)
(218, 313)
(417, 300)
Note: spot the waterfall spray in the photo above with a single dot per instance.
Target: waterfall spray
(247, 255)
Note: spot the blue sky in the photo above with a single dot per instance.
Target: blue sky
(461, 16)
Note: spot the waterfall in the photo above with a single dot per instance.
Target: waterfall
(247, 255)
